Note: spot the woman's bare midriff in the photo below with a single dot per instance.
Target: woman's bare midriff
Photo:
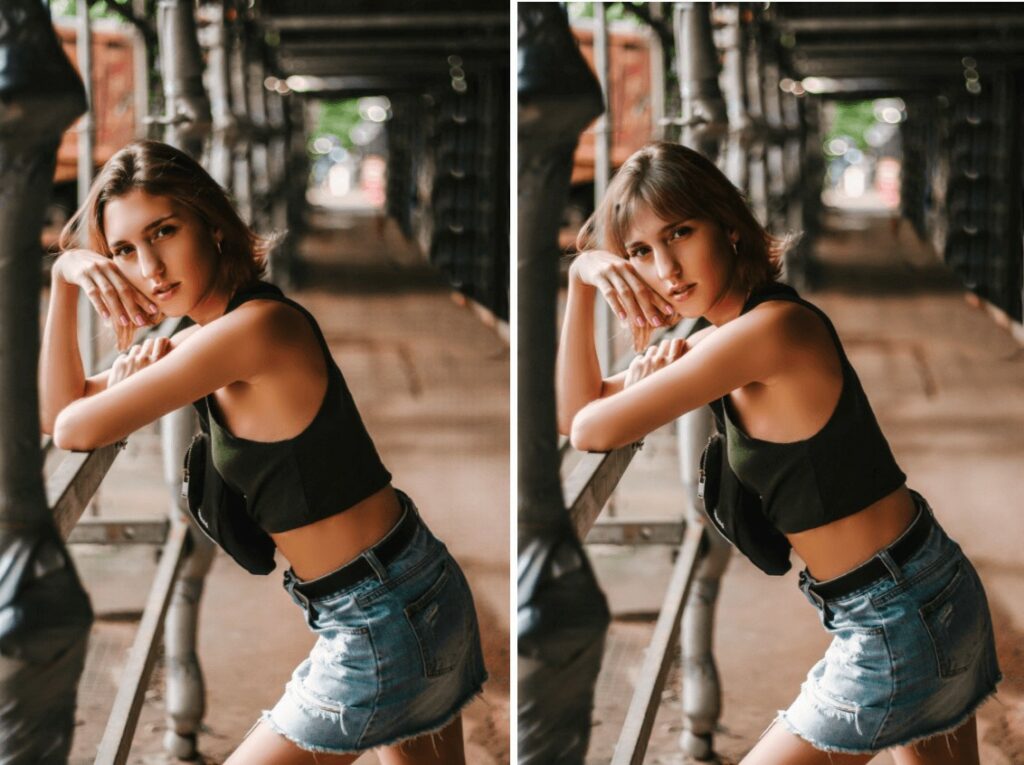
(328, 544)
(840, 546)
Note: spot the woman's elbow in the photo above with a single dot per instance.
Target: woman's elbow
(585, 437)
(69, 436)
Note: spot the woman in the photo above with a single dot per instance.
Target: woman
(912, 655)
(398, 650)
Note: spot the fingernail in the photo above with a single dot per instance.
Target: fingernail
(139, 320)
(668, 310)
(152, 308)
(639, 321)
(622, 315)
(124, 321)
(656, 321)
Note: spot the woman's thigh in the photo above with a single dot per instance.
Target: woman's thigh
(441, 748)
(264, 746)
(957, 748)
(780, 747)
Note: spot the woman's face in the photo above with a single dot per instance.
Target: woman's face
(688, 262)
(163, 249)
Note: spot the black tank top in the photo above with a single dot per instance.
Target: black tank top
(326, 469)
(840, 470)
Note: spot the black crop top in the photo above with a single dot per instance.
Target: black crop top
(844, 467)
(327, 468)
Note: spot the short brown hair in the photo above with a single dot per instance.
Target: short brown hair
(678, 183)
(162, 170)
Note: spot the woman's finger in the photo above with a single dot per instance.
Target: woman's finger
(133, 302)
(627, 299)
(612, 298)
(646, 298)
(678, 348)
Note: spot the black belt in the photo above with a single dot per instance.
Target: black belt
(353, 572)
(902, 550)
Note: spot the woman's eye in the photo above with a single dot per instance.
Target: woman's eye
(163, 231)
(639, 252)
(680, 232)
(123, 252)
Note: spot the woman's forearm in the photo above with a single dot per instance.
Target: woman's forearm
(61, 376)
(577, 371)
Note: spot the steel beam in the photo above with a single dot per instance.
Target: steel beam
(364, 23)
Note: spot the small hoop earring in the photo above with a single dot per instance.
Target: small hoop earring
(220, 247)
(735, 248)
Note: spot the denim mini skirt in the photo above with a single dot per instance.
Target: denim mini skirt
(913, 653)
(397, 653)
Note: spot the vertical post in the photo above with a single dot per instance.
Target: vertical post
(657, 59)
(704, 126)
(703, 111)
(734, 85)
(563, 615)
(242, 172)
(47, 615)
(140, 72)
(214, 38)
(603, 132)
(86, 152)
(186, 125)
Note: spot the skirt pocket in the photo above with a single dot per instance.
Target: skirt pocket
(442, 621)
(954, 621)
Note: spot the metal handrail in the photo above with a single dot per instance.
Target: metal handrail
(587, 490)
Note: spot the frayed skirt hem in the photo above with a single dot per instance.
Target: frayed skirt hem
(428, 730)
(943, 731)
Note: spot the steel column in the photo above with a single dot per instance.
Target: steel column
(704, 126)
(186, 125)
(46, 614)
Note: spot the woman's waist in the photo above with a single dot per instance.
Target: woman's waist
(840, 546)
(329, 543)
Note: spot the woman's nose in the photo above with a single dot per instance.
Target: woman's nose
(668, 267)
(150, 263)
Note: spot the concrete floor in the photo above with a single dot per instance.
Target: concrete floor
(432, 385)
(947, 385)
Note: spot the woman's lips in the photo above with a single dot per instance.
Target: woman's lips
(681, 293)
(167, 292)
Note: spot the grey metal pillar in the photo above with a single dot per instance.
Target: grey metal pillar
(704, 127)
(214, 38)
(241, 186)
(602, 174)
(734, 88)
(186, 125)
(757, 189)
(45, 614)
(703, 110)
(562, 614)
(86, 135)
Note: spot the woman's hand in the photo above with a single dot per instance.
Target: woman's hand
(138, 357)
(654, 358)
(630, 297)
(110, 293)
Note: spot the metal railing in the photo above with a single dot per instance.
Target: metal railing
(69, 490)
(587, 489)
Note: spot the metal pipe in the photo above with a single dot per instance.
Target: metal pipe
(86, 157)
(187, 125)
(365, 23)
(657, 61)
(47, 613)
(602, 172)
(703, 110)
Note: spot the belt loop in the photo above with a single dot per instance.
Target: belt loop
(378, 568)
(891, 565)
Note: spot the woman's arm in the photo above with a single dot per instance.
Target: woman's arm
(753, 347)
(577, 371)
(238, 346)
(61, 375)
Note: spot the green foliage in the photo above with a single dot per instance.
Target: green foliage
(852, 120)
(613, 11)
(336, 118)
(99, 9)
